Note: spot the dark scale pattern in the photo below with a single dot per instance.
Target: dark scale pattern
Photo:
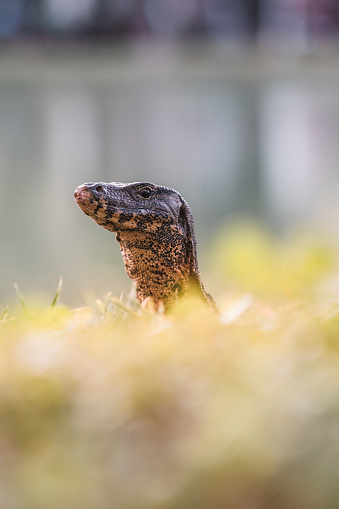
(154, 227)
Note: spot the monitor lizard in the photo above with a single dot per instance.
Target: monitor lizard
(154, 226)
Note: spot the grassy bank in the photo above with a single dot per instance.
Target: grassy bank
(109, 406)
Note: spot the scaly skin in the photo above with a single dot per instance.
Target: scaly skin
(154, 226)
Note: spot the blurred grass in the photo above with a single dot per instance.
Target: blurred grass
(110, 406)
(252, 259)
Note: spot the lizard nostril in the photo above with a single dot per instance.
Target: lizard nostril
(99, 189)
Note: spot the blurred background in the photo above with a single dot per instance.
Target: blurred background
(234, 103)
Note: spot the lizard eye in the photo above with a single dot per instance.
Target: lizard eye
(145, 192)
(99, 189)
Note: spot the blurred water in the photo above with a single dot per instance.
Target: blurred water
(233, 136)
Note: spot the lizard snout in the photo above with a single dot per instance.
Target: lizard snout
(82, 192)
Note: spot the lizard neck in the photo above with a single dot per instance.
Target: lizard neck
(158, 269)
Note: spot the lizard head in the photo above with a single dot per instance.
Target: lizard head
(139, 207)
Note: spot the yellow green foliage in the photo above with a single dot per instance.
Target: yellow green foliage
(109, 406)
(251, 258)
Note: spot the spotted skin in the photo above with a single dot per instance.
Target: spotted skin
(154, 227)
